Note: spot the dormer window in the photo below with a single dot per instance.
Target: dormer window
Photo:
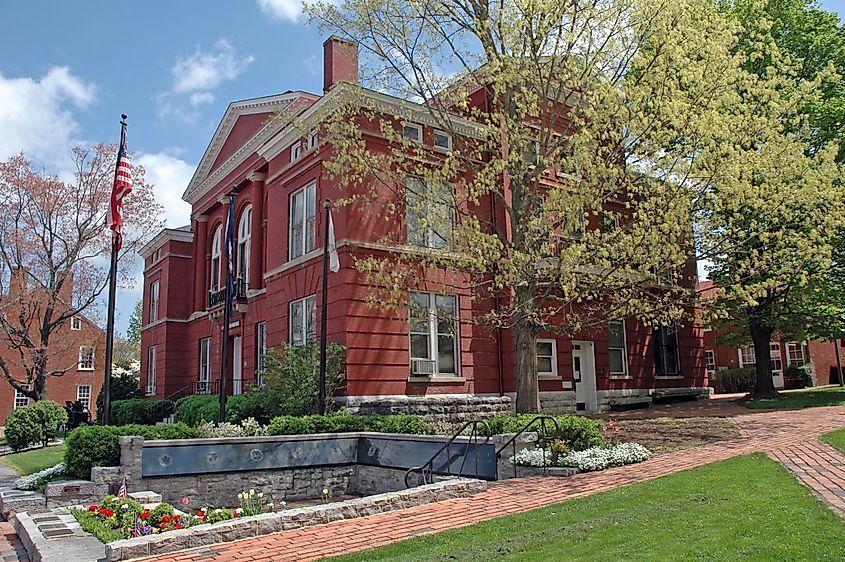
(75, 323)
(443, 140)
(313, 139)
(295, 151)
(412, 132)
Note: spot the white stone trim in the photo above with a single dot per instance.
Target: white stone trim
(165, 235)
(162, 321)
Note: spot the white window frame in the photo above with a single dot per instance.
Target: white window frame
(426, 236)
(624, 349)
(307, 308)
(82, 397)
(790, 348)
(745, 353)
(710, 361)
(21, 400)
(296, 151)
(260, 352)
(308, 224)
(447, 136)
(433, 334)
(245, 244)
(75, 323)
(553, 357)
(155, 296)
(417, 127)
(204, 375)
(313, 139)
(87, 358)
(216, 258)
(151, 370)
(775, 355)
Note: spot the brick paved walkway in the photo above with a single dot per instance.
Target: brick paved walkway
(790, 437)
(11, 548)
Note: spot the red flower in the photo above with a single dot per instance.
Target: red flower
(105, 511)
(178, 526)
(176, 518)
(163, 526)
(205, 518)
(235, 514)
(165, 519)
(145, 514)
(93, 508)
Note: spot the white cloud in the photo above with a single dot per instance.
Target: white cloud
(201, 97)
(36, 118)
(204, 71)
(169, 176)
(285, 10)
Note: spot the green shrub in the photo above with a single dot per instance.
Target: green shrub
(576, 432)
(23, 428)
(141, 411)
(193, 410)
(402, 423)
(36, 423)
(729, 381)
(91, 446)
(260, 405)
(798, 376)
(292, 376)
(346, 423)
(123, 387)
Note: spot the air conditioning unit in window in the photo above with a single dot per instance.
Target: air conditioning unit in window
(422, 366)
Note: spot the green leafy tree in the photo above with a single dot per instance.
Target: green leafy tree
(133, 330)
(292, 376)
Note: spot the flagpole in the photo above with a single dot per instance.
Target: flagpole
(321, 401)
(227, 316)
(112, 295)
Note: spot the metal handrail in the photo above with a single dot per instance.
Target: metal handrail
(542, 419)
(427, 468)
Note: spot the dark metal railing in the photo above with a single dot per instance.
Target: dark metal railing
(427, 471)
(218, 298)
(543, 441)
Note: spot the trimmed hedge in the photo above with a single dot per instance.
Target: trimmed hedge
(260, 405)
(91, 446)
(36, 423)
(577, 432)
(193, 410)
(347, 423)
(798, 376)
(729, 381)
(141, 411)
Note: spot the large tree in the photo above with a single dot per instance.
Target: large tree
(54, 259)
(596, 130)
(772, 231)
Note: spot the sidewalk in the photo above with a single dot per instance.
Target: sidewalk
(790, 437)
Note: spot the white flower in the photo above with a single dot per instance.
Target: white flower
(595, 458)
(284, 503)
(125, 506)
(240, 496)
(218, 510)
(29, 482)
(260, 494)
(239, 510)
(325, 491)
(251, 491)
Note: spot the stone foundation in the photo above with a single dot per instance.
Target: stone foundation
(444, 408)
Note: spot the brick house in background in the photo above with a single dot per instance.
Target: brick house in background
(277, 173)
(820, 355)
(78, 345)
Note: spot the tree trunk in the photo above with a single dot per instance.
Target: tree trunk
(527, 393)
(39, 382)
(764, 385)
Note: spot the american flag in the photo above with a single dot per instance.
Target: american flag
(122, 187)
(121, 492)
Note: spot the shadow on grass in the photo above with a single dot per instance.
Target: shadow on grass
(797, 399)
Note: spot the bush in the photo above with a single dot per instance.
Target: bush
(798, 376)
(141, 411)
(247, 428)
(292, 376)
(346, 423)
(193, 410)
(729, 381)
(259, 405)
(34, 423)
(124, 386)
(92, 446)
(576, 432)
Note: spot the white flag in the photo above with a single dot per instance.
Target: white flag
(334, 261)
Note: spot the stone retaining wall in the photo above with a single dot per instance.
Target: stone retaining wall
(446, 408)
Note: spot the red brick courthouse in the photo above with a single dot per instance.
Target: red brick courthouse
(278, 173)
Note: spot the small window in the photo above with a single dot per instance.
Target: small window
(151, 371)
(295, 151)
(412, 131)
(430, 213)
(21, 399)
(303, 320)
(617, 349)
(747, 357)
(204, 384)
(666, 351)
(303, 221)
(609, 222)
(434, 334)
(86, 358)
(777, 361)
(313, 139)
(83, 395)
(795, 354)
(260, 352)
(710, 361)
(154, 298)
(75, 323)
(442, 140)
(547, 357)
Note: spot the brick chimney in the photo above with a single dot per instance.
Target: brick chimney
(340, 62)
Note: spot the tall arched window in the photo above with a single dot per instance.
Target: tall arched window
(216, 251)
(244, 240)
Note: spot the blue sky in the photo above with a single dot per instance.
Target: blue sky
(68, 69)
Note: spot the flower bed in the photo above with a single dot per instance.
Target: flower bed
(594, 458)
(36, 479)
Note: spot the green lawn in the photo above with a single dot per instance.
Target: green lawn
(37, 459)
(804, 398)
(747, 508)
(836, 438)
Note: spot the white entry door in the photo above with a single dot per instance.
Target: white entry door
(584, 373)
(777, 364)
(237, 366)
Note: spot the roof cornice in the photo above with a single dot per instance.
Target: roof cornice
(166, 234)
